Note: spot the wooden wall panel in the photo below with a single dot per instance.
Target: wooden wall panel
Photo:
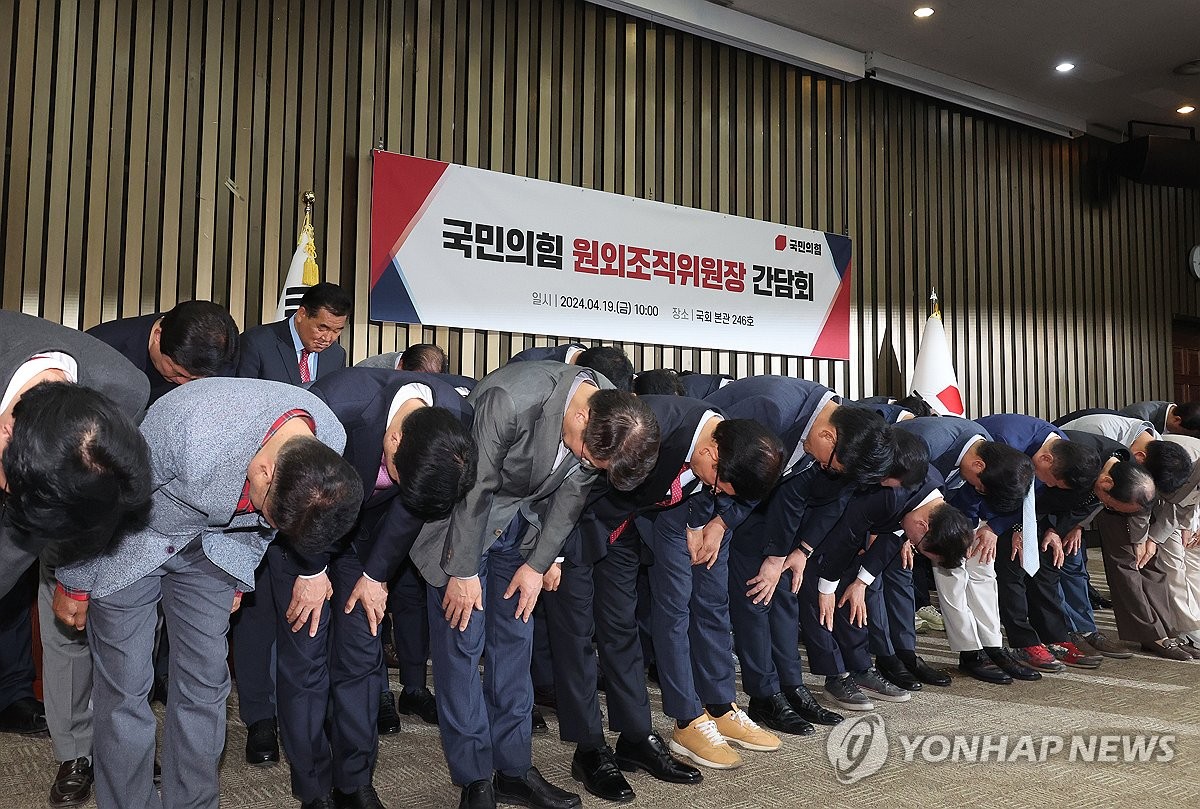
(165, 145)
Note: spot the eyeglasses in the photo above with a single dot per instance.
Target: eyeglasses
(262, 510)
(827, 467)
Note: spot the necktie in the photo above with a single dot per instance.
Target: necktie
(1030, 552)
(305, 374)
(671, 499)
(954, 480)
(382, 479)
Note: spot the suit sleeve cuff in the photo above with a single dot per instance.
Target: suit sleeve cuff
(826, 587)
(74, 595)
(866, 576)
(320, 572)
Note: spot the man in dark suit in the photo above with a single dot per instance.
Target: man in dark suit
(298, 350)
(701, 386)
(610, 361)
(60, 505)
(195, 340)
(420, 426)
(1168, 417)
(536, 426)
(425, 357)
(231, 461)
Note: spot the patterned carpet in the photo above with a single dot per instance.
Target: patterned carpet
(1145, 696)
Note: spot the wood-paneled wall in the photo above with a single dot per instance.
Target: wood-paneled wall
(156, 151)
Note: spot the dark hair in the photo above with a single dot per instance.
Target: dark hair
(749, 457)
(662, 381)
(1006, 477)
(610, 361)
(315, 494)
(1074, 464)
(200, 337)
(910, 458)
(622, 432)
(915, 404)
(1169, 464)
(864, 444)
(949, 535)
(436, 461)
(330, 297)
(1189, 415)
(76, 468)
(1131, 484)
(424, 357)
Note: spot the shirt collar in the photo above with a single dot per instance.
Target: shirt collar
(299, 346)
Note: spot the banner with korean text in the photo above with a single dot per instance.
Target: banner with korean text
(464, 247)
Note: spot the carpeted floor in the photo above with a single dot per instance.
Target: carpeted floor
(1144, 696)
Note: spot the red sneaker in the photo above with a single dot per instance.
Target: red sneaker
(1069, 653)
(1040, 658)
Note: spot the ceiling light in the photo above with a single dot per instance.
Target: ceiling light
(1186, 109)
(923, 12)
(1064, 67)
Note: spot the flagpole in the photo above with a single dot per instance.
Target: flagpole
(933, 301)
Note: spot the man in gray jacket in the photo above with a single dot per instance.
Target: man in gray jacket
(232, 460)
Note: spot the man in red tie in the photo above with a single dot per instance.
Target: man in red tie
(297, 350)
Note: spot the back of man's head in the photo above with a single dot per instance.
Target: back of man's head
(315, 495)
(436, 461)
(1006, 476)
(1074, 464)
(1189, 416)
(749, 457)
(661, 381)
(1169, 464)
(910, 458)
(610, 361)
(330, 297)
(76, 468)
(425, 357)
(200, 337)
(623, 433)
(1131, 484)
(949, 535)
(864, 444)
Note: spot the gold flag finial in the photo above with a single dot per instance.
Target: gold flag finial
(933, 300)
(312, 273)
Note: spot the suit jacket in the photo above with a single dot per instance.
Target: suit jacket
(100, 368)
(1153, 412)
(202, 436)
(889, 412)
(1087, 411)
(1064, 509)
(269, 353)
(519, 411)
(390, 359)
(1124, 429)
(946, 439)
(131, 336)
(556, 353)
(1179, 509)
(701, 386)
(361, 398)
(1027, 434)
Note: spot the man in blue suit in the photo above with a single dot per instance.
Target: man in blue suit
(408, 437)
(701, 386)
(610, 361)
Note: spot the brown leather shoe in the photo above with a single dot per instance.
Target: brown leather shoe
(73, 784)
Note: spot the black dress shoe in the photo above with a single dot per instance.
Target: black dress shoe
(777, 713)
(978, 665)
(650, 753)
(157, 773)
(537, 722)
(895, 672)
(73, 784)
(158, 693)
(531, 789)
(418, 702)
(25, 716)
(478, 795)
(652, 673)
(1003, 657)
(388, 721)
(318, 803)
(362, 798)
(803, 703)
(598, 772)
(922, 670)
(545, 698)
(262, 744)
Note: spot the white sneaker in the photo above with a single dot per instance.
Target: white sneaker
(930, 615)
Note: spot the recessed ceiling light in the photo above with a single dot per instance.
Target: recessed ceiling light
(1186, 109)
(1064, 67)
(923, 12)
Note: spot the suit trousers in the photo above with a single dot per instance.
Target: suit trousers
(1141, 600)
(66, 677)
(485, 726)
(1074, 582)
(252, 631)
(1182, 568)
(1030, 608)
(837, 652)
(16, 640)
(410, 626)
(541, 660)
(765, 635)
(196, 596)
(968, 598)
(892, 609)
(689, 620)
(922, 575)
(565, 620)
(328, 686)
